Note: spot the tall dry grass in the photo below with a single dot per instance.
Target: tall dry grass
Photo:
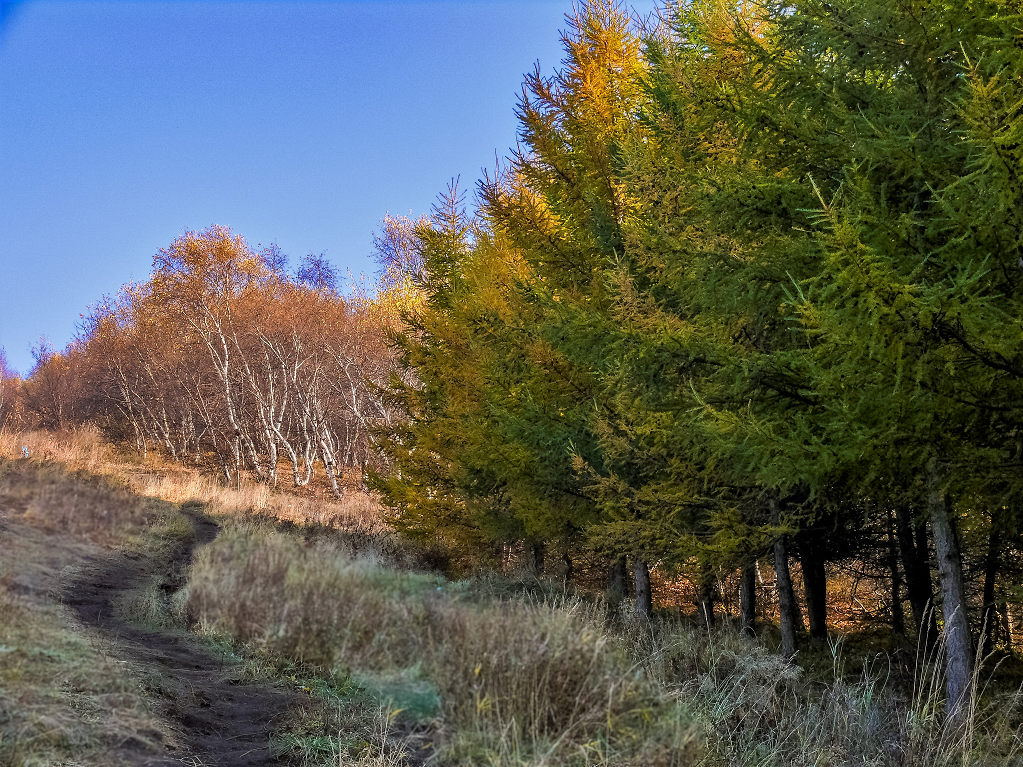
(500, 681)
(550, 681)
(80, 449)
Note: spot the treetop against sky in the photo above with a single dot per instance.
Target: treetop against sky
(296, 123)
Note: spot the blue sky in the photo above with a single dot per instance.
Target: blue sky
(122, 124)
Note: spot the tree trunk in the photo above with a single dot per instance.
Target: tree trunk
(958, 644)
(815, 582)
(330, 469)
(616, 583)
(706, 600)
(917, 568)
(789, 620)
(641, 577)
(748, 600)
(537, 552)
(566, 559)
(616, 580)
(787, 608)
(898, 619)
(1013, 623)
(989, 614)
(1003, 615)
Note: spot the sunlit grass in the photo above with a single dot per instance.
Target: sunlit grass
(64, 697)
(83, 449)
(400, 663)
(550, 681)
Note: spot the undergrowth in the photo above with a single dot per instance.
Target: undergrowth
(493, 680)
(555, 680)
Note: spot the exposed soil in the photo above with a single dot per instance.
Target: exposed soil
(222, 721)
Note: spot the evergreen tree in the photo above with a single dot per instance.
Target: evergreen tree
(899, 115)
(505, 307)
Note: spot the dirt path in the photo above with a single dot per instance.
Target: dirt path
(223, 722)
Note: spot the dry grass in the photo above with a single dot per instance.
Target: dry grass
(500, 682)
(356, 510)
(79, 450)
(63, 698)
(488, 673)
(549, 682)
(78, 498)
(83, 449)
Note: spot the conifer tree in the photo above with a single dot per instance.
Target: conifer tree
(699, 342)
(507, 307)
(899, 116)
(562, 206)
(754, 294)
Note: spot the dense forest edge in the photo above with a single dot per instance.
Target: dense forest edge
(693, 437)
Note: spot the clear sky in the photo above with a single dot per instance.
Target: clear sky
(122, 124)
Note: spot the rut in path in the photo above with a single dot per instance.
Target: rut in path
(223, 723)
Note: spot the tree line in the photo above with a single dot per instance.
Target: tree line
(224, 359)
(745, 297)
(749, 290)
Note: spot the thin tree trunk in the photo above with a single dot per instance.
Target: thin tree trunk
(566, 559)
(748, 600)
(958, 644)
(786, 598)
(537, 553)
(989, 615)
(330, 469)
(787, 606)
(1013, 623)
(616, 582)
(1004, 622)
(917, 568)
(898, 619)
(706, 601)
(641, 577)
(815, 582)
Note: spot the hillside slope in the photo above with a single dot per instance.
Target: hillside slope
(246, 627)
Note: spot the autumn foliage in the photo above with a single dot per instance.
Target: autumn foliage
(223, 359)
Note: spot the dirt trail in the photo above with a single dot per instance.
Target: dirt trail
(223, 722)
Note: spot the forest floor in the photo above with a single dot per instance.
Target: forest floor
(149, 616)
